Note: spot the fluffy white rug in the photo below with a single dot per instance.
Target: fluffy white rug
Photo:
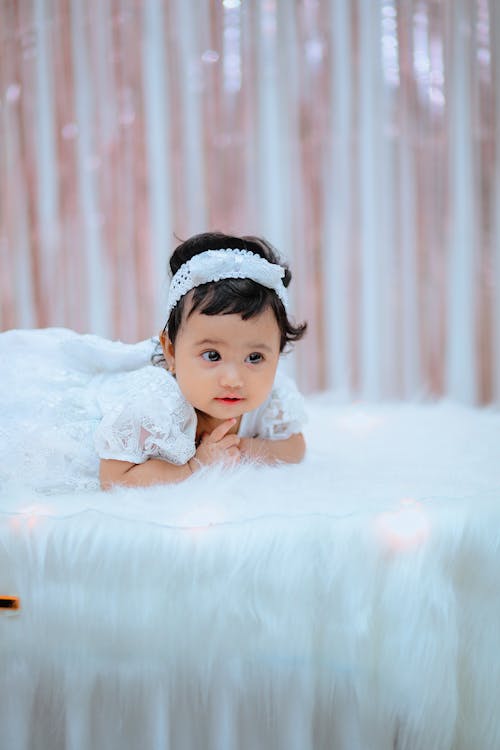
(352, 601)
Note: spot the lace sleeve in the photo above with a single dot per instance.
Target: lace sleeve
(285, 413)
(149, 419)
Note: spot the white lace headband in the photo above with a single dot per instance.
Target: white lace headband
(214, 265)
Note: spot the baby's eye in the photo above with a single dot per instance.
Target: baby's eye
(254, 358)
(211, 356)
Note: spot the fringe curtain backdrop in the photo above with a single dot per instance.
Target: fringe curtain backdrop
(359, 136)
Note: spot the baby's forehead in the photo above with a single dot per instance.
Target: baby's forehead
(231, 328)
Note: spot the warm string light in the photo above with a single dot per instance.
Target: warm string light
(404, 529)
(30, 517)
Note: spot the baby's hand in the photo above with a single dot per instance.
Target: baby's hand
(218, 446)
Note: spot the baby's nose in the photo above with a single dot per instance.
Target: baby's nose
(231, 377)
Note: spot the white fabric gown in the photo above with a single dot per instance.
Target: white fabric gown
(69, 399)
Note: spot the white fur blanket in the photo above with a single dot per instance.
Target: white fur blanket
(352, 601)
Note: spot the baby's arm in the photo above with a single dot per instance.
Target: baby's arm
(153, 471)
(290, 451)
(217, 446)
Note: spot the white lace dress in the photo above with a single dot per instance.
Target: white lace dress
(68, 400)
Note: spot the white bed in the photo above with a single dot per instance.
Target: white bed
(352, 601)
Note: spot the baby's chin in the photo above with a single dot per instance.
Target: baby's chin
(229, 411)
(224, 411)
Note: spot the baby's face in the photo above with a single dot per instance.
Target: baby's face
(225, 366)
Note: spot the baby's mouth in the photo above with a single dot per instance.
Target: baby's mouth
(229, 399)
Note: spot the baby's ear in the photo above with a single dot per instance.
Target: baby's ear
(168, 348)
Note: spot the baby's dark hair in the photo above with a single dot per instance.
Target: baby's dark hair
(231, 296)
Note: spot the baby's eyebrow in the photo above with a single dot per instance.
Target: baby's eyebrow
(209, 342)
(265, 347)
(249, 345)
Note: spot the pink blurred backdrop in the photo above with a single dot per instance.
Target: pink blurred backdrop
(359, 137)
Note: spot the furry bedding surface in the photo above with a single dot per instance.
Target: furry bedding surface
(352, 601)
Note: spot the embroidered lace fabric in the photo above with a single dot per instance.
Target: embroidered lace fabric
(284, 412)
(145, 416)
(68, 399)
